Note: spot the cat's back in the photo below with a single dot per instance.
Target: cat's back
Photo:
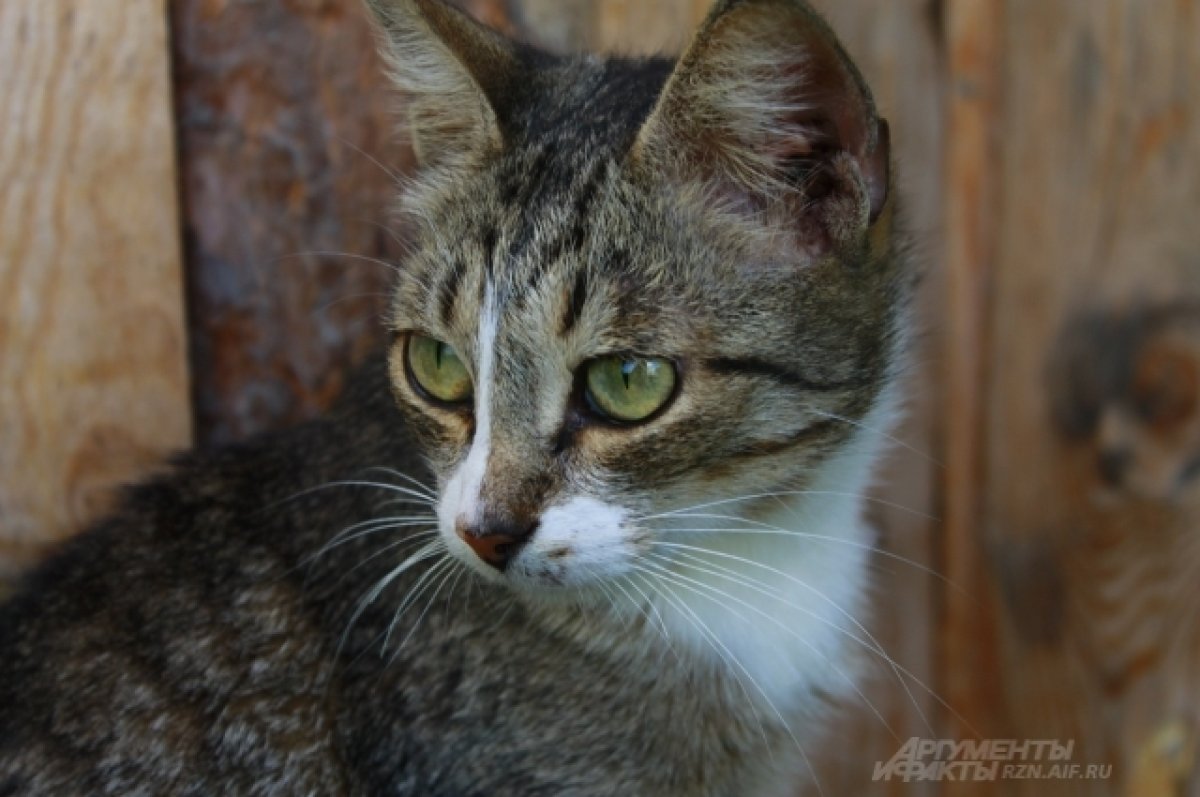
(179, 645)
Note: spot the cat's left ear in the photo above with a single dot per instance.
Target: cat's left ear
(455, 75)
(765, 103)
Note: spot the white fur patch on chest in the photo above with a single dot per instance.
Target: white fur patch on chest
(779, 606)
(779, 600)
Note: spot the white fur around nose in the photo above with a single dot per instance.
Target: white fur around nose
(578, 541)
(462, 499)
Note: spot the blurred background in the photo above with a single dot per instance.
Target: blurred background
(193, 248)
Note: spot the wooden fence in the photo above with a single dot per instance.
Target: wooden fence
(193, 193)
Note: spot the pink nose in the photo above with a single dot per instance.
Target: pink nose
(494, 545)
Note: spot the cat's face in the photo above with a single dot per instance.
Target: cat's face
(592, 330)
(1127, 387)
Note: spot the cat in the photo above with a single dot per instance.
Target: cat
(591, 524)
(1125, 387)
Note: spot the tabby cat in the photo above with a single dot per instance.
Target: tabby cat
(591, 525)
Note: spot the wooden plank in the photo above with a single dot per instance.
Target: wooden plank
(93, 377)
(1098, 181)
(967, 659)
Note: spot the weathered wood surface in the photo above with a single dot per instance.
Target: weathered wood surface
(967, 657)
(1094, 588)
(93, 377)
(286, 141)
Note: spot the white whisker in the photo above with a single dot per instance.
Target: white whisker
(850, 421)
(732, 576)
(769, 530)
(446, 573)
(415, 592)
(366, 528)
(875, 647)
(744, 670)
(421, 554)
(770, 704)
(395, 175)
(707, 634)
(349, 255)
(789, 493)
(662, 625)
(419, 485)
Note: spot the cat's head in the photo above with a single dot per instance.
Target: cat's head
(637, 286)
(1125, 392)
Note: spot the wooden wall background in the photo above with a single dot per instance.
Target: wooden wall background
(189, 230)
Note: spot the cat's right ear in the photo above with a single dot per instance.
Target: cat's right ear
(454, 74)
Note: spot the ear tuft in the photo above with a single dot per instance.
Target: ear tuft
(765, 101)
(455, 75)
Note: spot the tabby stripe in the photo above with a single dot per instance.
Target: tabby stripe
(449, 292)
(575, 302)
(750, 366)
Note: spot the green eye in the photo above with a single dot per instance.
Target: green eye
(437, 369)
(629, 388)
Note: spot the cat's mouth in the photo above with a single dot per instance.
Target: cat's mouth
(576, 543)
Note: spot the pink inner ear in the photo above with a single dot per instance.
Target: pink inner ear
(764, 89)
(876, 170)
(839, 116)
(833, 114)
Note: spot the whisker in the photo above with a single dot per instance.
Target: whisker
(876, 647)
(707, 635)
(372, 527)
(348, 298)
(449, 571)
(642, 615)
(392, 173)
(787, 493)
(421, 554)
(752, 680)
(450, 595)
(731, 576)
(651, 607)
(808, 535)
(408, 491)
(414, 592)
(348, 255)
(835, 417)
(405, 245)
(419, 485)
(409, 540)
(424, 500)
(613, 607)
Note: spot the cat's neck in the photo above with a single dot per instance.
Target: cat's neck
(775, 601)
